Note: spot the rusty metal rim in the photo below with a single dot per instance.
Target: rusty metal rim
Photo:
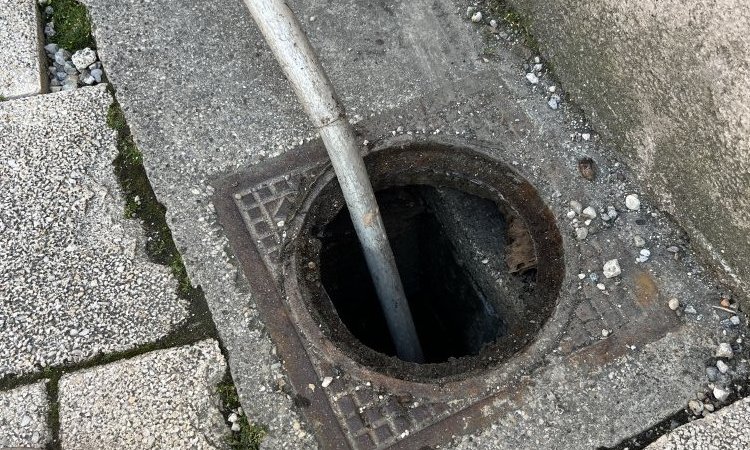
(471, 384)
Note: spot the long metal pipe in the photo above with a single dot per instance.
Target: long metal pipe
(298, 61)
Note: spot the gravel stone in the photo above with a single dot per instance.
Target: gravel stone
(722, 366)
(21, 68)
(554, 102)
(674, 304)
(724, 351)
(51, 49)
(531, 78)
(164, 400)
(476, 17)
(97, 74)
(576, 206)
(695, 406)
(23, 417)
(639, 241)
(612, 268)
(589, 212)
(581, 233)
(632, 202)
(721, 394)
(82, 59)
(63, 216)
(62, 56)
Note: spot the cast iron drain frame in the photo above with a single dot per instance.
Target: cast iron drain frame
(362, 408)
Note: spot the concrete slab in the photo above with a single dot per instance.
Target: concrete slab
(75, 281)
(23, 417)
(410, 72)
(728, 429)
(21, 54)
(164, 400)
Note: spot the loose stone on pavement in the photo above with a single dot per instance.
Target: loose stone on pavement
(75, 281)
(23, 417)
(20, 55)
(165, 399)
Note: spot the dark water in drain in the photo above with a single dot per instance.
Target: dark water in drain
(452, 316)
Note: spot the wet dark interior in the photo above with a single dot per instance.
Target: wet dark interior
(453, 317)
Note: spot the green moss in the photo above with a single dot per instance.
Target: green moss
(516, 22)
(72, 25)
(141, 203)
(2, 98)
(249, 436)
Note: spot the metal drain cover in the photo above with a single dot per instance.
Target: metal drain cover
(348, 404)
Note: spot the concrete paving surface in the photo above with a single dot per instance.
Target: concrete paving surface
(21, 55)
(204, 100)
(75, 282)
(728, 429)
(23, 417)
(617, 359)
(165, 399)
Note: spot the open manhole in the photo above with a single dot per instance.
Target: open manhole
(476, 249)
(481, 260)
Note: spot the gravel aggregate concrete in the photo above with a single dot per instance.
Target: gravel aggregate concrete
(727, 429)
(21, 54)
(23, 417)
(75, 282)
(165, 399)
(407, 71)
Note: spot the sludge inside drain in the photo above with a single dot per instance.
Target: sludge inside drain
(478, 251)
(460, 302)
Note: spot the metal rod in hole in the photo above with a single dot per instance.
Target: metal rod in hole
(298, 61)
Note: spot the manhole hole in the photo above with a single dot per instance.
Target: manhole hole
(481, 259)
(477, 254)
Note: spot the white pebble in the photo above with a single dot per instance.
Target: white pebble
(639, 241)
(720, 394)
(632, 202)
(585, 136)
(493, 23)
(695, 406)
(601, 286)
(724, 351)
(689, 309)
(476, 17)
(531, 78)
(722, 366)
(605, 332)
(589, 212)
(674, 304)
(612, 268)
(552, 89)
(571, 214)
(236, 426)
(581, 276)
(735, 320)
(326, 382)
(582, 233)
(576, 206)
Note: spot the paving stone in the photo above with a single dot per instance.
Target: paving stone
(161, 400)
(21, 57)
(727, 429)
(23, 417)
(74, 280)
